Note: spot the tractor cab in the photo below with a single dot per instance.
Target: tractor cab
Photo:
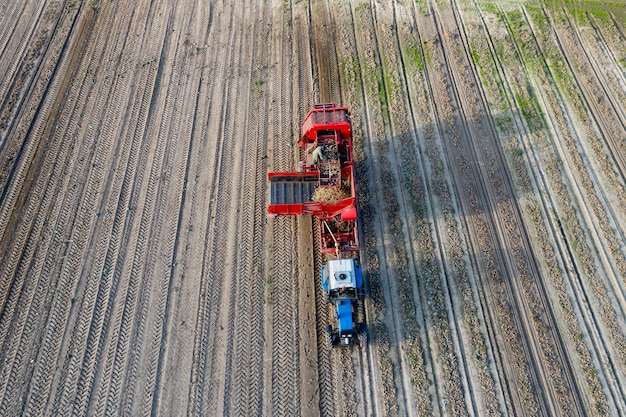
(341, 279)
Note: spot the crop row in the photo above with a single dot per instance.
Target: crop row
(534, 122)
(546, 81)
(499, 294)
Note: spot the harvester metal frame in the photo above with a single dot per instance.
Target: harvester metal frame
(291, 192)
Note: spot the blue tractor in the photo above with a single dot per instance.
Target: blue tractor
(342, 282)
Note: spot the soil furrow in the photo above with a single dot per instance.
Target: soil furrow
(587, 203)
(565, 389)
(393, 271)
(572, 224)
(139, 272)
(480, 227)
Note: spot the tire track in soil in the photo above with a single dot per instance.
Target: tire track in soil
(476, 344)
(283, 296)
(248, 363)
(35, 29)
(237, 374)
(326, 365)
(284, 281)
(558, 248)
(590, 190)
(120, 287)
(381, 356)
(426, 244)
(82, 347)
(602, 63)
(563, 382)
(342, 364)
(174, 127)
(605, 67)
(33, 309)
(24, 147)
(172, 192)
(326, 64)
(101, 95)
(602, 117)
(603, 114)
(94, 173)
(304, 71)
(354, 372)
(215, 332)
(205, 165)
(130, 345)
(11, 25)
(20, 253)
(591, 377)
(177, 372)
(367, 373)
(592, 325)
(94, 365)
(552, 232)
(306, 75)
(203, 377)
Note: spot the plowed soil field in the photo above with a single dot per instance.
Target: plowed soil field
(140, 274)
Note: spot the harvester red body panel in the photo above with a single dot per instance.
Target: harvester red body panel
(327, 127)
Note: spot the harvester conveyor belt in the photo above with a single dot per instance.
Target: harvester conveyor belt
(291, 190)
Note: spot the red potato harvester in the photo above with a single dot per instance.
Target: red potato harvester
(326, 165)
(324, 187)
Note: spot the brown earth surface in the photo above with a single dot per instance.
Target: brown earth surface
(140, 274)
